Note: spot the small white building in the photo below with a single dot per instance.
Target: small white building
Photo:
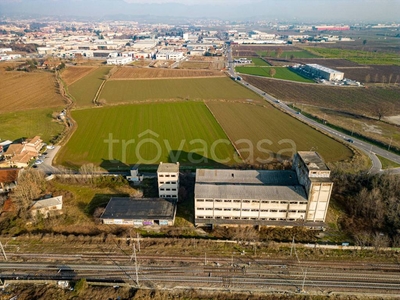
(119, 60)
(46, 206)
(168, 180)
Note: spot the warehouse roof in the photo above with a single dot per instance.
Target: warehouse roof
(168, 167)
(143, 208)
(248, 177)
(232, 191)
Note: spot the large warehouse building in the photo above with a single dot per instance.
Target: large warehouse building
(323, 72)
(267, 198)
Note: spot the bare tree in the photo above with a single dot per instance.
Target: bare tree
(367, 78)
(279, 52)
(272, 72)
(390, 78)
(31, 184)
(380, 241)
(362, 239)
(242, 234)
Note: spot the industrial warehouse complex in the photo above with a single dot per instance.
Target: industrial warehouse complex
(265, 198)
(297, 197)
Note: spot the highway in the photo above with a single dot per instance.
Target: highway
(368, 149)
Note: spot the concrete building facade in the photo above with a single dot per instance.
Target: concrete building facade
(168, 180)
(258, 197)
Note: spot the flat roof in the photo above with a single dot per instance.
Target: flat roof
(168, 167)
(235, 191)
(137, 209)
(247, 177)
(322, 68)
(313, 160)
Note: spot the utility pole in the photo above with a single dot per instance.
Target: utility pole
(291, 248)
(133, 256)
(138, 240)
(205, 258)
(2, 250)
(304, 281)
(390, 144)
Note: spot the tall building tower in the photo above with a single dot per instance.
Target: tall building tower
(314, 175)
(168, 180)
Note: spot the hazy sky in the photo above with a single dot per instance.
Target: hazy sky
(299, 10)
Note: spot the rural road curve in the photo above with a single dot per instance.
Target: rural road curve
(369, 149)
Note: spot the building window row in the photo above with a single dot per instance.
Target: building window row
(247, 218)
(168, 182)
(167, 175)
(165, 189)
(251, 210)
(168, 196)
(252, 201)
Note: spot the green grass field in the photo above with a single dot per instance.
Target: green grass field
(84, 90)
(27, 124)
(387, 164)
(279, 131)
(259, 62)
(288, 54)
(281, 73)
(359, 56)
(125, 91)
(146, 134)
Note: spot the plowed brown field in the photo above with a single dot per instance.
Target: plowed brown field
(73, 74)
(22, 91)
(149, 73)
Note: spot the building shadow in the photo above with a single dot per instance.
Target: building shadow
(99, 201)
(114, 165)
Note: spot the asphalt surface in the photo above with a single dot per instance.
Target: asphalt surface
(368, 149)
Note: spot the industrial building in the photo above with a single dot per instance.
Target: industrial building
(168, 180)
(318, 71)
(139, 212)
(297, 197)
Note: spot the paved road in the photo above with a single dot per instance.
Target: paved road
(367, 148)
(47, 165)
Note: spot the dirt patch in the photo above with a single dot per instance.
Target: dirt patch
(371, 128)
(393, 119)
(153, 73)
(73, 74)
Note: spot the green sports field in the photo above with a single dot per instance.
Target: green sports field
(127, 91)
(281, 73)
(147, 134)
(84, 90)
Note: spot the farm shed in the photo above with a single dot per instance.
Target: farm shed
(139, 212)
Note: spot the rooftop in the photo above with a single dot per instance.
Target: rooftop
(230, 191)
(8, 175)
(247, 177)
(136, 209)
(168, 167)
(312, 160)
(47, 202)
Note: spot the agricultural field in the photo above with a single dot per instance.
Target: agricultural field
(20, 91)
(253, 50)
(146, 134)
(371, 128)
(151, 73)
(281, 73)
(358, 56)
(72, 74)
(195, 65)
(127, 91)
(270, 130)
(292, 54)
(27, 124)
(354, 100)
(84, 90)
(259, 62)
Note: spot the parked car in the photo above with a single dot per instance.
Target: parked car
(38, 162)
(50, 147)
